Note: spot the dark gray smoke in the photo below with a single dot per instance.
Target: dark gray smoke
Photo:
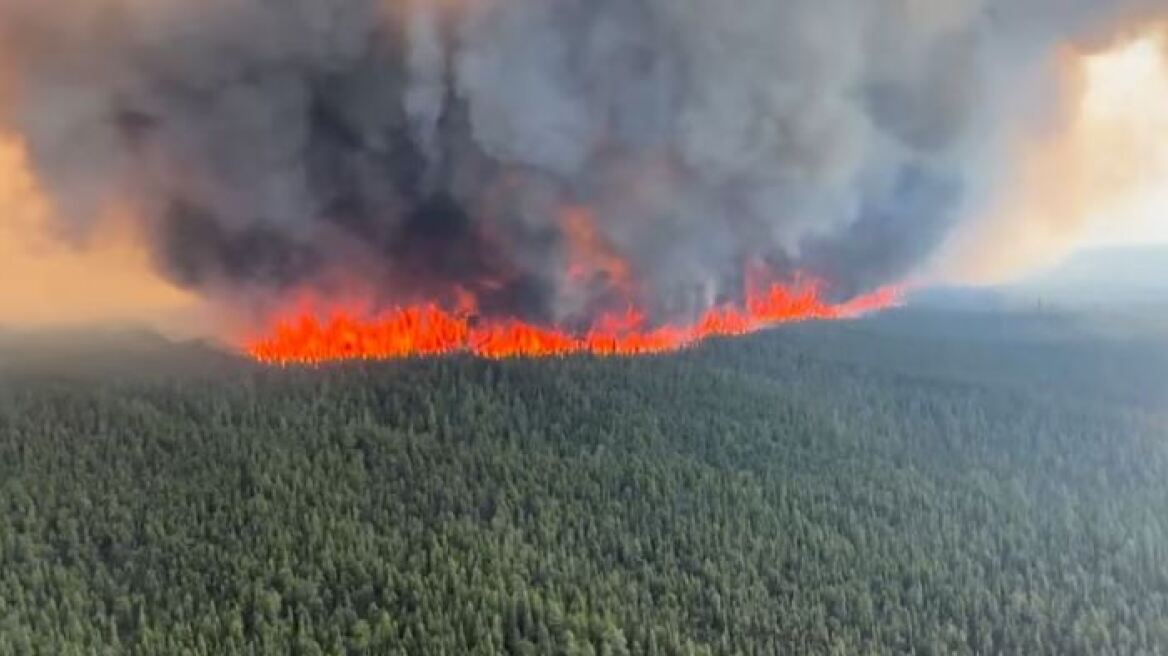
(418, 144)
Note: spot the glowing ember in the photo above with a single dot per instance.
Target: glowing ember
(429, 330)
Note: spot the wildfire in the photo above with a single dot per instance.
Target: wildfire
(429, 330)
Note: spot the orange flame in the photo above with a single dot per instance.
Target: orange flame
(429, 330)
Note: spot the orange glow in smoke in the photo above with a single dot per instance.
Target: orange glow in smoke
(591, 255)
(300, 337)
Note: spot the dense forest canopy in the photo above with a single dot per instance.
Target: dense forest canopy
(925, 482)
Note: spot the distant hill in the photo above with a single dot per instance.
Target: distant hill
(107, 352)
(1119, 290)
(1103, 277)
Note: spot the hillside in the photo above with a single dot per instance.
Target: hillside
(925, 482)
(1123, 288)
(1111, 275)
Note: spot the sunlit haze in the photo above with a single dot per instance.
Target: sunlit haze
(47, 282)
(1126, 108)
(1096, 175)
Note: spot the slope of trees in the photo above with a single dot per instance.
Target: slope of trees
(816, 490)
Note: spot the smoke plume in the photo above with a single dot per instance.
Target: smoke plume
(414, 146)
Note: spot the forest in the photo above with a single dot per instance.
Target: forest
(925, 482)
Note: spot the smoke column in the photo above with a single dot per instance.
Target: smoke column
(547, 157)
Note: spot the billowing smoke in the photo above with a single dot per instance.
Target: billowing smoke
(417, 145)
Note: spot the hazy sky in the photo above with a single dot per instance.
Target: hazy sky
(1096, 175)
(1127, 104)
(49, 281)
